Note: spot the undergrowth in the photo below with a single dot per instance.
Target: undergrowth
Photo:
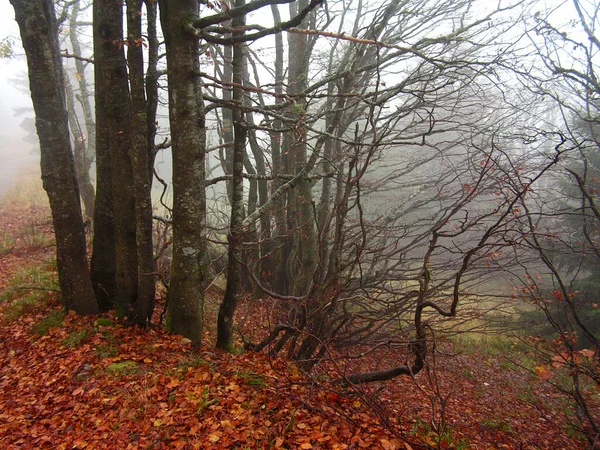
(53, 320)
(76, 338)
(31, 287)
(26, 191)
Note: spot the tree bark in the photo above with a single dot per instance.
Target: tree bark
(275, 267)
(142, 169)
(109, 24)
(84, 144)
(228, 133)
(104, 259)
(46, 81)
(300, 213)
(188, 136)
(234, 280)
(82, 167)
(152, 78)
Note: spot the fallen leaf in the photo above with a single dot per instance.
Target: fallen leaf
(588, 353)
(543, 372)
(387, 445)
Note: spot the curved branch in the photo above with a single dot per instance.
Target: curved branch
(228, 14)
(283, 26)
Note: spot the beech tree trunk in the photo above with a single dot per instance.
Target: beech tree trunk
(86, 133)
(117, 107)
(38, 30)
(104, 243)
(142, 172)
(234, 279)
(188, 136)
(303, 258)
(82, 167)
(275, 264)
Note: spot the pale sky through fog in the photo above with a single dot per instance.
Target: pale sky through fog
(15, 154)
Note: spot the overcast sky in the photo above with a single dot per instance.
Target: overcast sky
(15, 153)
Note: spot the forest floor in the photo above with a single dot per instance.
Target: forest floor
(89, 382)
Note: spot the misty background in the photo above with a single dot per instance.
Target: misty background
(17, 155)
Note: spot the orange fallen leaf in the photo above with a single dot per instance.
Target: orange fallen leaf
(543, 372)
(588, 353)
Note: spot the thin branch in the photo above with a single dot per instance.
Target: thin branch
(66, 54)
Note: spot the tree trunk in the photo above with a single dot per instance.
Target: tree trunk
(82, 168)
(228, 133)
(234, 280)
(142, 175)
(39, 36)
(301, 206)
(265, 244)
(87, 132)
(188, 136)
(118, 110)
(152, 80)
(104, 243)
(275, 267)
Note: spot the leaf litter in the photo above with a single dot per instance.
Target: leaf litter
(127, 388)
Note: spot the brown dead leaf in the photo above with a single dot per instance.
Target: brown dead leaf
(588, 353)
(543, 372)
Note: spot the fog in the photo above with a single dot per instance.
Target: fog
(15, 153)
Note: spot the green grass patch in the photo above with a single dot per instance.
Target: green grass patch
(21, 307)
(110, 346)
(53, 320)
(7, 242)
(494, 345)
(29, 289)
(76, 339)
(123, 368)
(102, 322)
(194, 362)
(203, 400)
(107, 350)
(34, 236)
(251, 378)
(438, 439)
(498, 425)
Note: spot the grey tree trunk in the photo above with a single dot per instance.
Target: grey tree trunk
(302, 261)
(152, 78)
(82, 166)
(234, 280)
(275, 264)
(109, 23)
(85, 138)
(39, 36)
(188, 136)
(228, 133)
(103, 265)
(141, 164)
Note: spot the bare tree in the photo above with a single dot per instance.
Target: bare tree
(562, 220)
(84, 129)
(408, 232)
